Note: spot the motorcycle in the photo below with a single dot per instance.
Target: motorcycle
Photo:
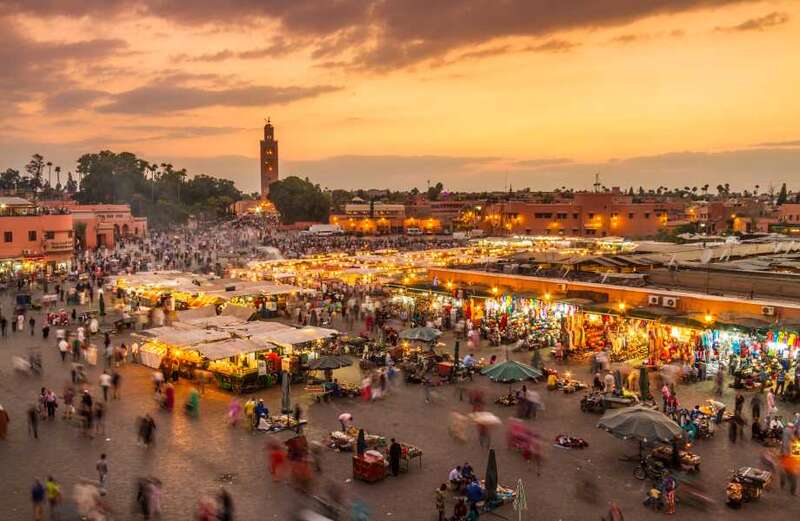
(649, 468)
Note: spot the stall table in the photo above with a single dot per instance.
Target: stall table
(369, 468)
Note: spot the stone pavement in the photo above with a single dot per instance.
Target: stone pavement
(191, 455)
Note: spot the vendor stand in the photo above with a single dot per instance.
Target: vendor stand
(408, 453)
(371, 467)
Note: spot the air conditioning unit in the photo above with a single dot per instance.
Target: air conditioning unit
(653, 300)
(669, 302)
(767, 310)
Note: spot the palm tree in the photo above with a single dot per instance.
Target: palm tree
(58, 178)
(49, 173)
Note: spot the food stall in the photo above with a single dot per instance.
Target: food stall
(176, 342)
(237, 364)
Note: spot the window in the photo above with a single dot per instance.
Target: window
(647, 215)
(49, 235)
(32, 235)
(8, 237)
(614, 215)
(543, 215)
(69, 234)
(630, 215)
(574, 216)
(591, 216)
(590, 231)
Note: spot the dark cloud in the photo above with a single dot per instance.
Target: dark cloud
(485, 53)
(279, 47)
(73, 99)
(629, 38)
(761, 23)
(383, 34)
(774, 144)
(31, 69)
(159, 98)
(553, 46)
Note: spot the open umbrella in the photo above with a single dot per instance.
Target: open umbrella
(520, 501)
(640, 423)
(425, 334)
(618, 380)
(644, 383)
(286, 402)
(491, 477)
(511, 371)
(326, 363)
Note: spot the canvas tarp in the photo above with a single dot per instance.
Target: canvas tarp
(201, 312)
(185, 335)
(227, 348)
(217, 321)
(300, 336)
(241, 312)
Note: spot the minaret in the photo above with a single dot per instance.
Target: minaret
(269, 159)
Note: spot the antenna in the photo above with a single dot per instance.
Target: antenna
(597, 183)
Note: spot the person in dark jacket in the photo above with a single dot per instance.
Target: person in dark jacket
(395, 451)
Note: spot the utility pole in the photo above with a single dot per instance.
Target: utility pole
(597, 183)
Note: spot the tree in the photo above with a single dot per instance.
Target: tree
(782, 195)
(299, 200)
(71, 187)
(9, 180)
(160, 192)
(34, 170)
(435, 191)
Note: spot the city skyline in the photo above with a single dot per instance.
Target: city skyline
(391, 95)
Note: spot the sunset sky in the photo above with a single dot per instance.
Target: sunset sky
(478, 94)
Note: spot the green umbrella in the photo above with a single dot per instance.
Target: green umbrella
(491, 477)
(325, 363)
(425, 334)
(511, 371)
(640, 423)
(644, 383)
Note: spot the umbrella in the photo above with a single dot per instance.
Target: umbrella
(426, 334)
(286, 402)
(485, 418)
(618, 380)
(326, 363)
(511, 371)
(361, 443)
(644, 383)
(520, 501)
(640, 423)
(491, 477)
